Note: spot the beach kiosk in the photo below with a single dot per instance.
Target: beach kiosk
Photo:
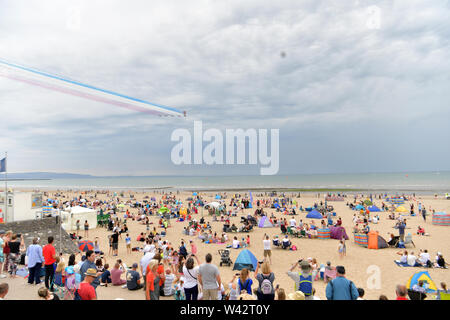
(20, 206)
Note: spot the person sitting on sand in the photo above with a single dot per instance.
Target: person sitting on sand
(236, 243)
(403, 258)
(440, 262)
(419, 287)
(411, 260)
(116, 273)
(286, 243)
(394, 240)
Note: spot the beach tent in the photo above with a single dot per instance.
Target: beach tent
(245, 259)
(338, 233)
(163, 210)
(72, 214)
(213, 205)
(361, 239)
(375, 241)
(324, 233)
(401, 209)
(359, 207)
(264, 222)
(425, 277)
(374, 208)
(367, 202)
(218, 197)
(276, 205)
(308, 209)
(441, 219)
(314, 215)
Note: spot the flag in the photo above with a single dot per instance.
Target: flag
(3, 165)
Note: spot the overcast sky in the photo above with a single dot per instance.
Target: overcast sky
(348, 92)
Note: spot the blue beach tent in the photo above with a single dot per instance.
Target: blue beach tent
(314, 214)
(374, 208)
(245, 259)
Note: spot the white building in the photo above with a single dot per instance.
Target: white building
(72, 214)
(20, 206)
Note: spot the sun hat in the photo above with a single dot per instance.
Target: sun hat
(91, 272)
(305, 265)
(297, 295)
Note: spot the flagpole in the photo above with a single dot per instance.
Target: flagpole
(6, 187)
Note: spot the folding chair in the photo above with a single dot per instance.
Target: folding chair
(408, 240)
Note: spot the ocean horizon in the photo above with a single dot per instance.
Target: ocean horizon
(422, 182)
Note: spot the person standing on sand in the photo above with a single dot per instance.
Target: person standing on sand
(209, 279)
(78, 227)
(267, 248)
(86, 229)
(86, 291)
(35, 260)
(401, 292)
(2, 257)
(49, 254)
(341, 288)
(89, 263)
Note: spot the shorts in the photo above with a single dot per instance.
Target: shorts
(267, 253)
(115, 245)
(128, 245)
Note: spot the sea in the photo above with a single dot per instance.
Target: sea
(420, 183)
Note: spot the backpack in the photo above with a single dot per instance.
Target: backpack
(242, 287)
(266, 286)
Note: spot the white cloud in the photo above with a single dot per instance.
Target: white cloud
(220, 61)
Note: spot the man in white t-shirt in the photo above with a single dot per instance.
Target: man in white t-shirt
(292, 223)
(236, 243)
(411, 259)
(267, 248)
(424, 257)
(149, 247)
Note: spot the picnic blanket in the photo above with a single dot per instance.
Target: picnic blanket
(400, 264)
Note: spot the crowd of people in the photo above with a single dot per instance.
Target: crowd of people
(177, 271)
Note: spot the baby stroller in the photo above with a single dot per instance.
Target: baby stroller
(225, 257)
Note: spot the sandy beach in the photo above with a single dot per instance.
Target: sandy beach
(358, 262)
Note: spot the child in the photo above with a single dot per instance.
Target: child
(193, 247)
(179, 290)
(106, 276)
(248, 240)
(244, 244)
(128, 243)
(341, 248)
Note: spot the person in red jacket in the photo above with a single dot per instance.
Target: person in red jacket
(49, 254)
(401, 292)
